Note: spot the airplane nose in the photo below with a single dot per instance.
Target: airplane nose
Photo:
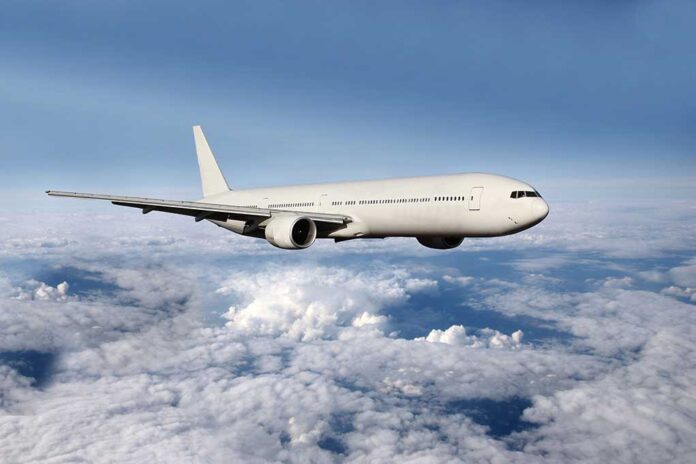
(540, 209)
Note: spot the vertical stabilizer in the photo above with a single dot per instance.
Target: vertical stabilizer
(212, 180)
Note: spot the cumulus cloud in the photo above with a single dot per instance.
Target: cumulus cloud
(305, 367)
(315, 302)
(46, 292)
(672, 290)
(456, 335)
(172, 387)
(644, 403)
(367, 319)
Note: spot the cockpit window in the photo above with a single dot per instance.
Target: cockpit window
(525, 193)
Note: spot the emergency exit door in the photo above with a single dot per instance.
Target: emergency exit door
(475, 198)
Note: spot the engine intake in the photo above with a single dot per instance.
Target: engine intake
(291, 232)
(440, 243)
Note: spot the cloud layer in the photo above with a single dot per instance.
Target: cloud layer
(174, 358)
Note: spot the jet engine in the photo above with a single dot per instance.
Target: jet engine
(440, 243)
(291, 232)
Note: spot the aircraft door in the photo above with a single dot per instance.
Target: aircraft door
(475, 198)
(324, 201)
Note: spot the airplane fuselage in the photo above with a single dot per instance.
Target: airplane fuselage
(458, 205)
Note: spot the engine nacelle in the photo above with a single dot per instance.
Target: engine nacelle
(440, 243)
(291, 232)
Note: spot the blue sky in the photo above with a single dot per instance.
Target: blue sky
(593, 95)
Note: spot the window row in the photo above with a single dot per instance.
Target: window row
(399, 200)
(393, 201)
(524, 193)
(291, 205)
(377, 202)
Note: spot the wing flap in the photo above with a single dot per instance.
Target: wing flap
(183, 211)
(201, 210)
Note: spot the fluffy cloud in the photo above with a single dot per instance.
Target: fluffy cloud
(685, 275)
(46, 292)
(315, 302)
(644, 404)
(170, 388)
(456, 335)
(689, 293)
(306, 365)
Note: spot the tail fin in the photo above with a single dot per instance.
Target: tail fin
(212, 180)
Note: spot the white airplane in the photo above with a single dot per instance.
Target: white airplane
(439, 211)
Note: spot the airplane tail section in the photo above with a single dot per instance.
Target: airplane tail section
(212, 180)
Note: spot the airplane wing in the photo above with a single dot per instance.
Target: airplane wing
(200, 210)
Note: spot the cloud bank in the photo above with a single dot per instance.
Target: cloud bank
(174, 358)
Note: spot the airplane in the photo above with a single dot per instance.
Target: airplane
(439, 211)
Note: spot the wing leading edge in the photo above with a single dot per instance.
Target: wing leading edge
(202, 210)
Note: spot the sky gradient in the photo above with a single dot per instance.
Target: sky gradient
(101, 96)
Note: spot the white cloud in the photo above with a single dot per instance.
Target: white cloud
(685, 275)
(366, 319)
(652, 276)
(417, 285)
(618, 282)
(46, 292)
(642, 404)
(672, 290)
(456, 335)
(315, 302)
(167, 386)
(303, 371)
(458, 280)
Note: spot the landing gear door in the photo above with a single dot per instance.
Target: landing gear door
(475, 198)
